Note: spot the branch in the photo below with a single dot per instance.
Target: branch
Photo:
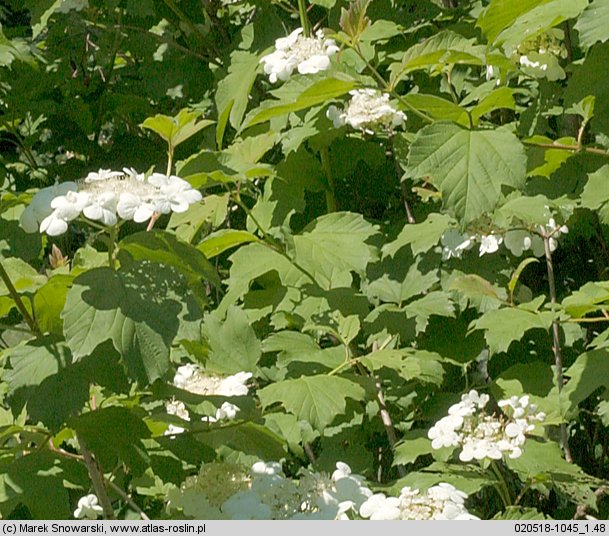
(97, 479)
(563, 147)
(18, 301)
(556, 344)
(128, 500)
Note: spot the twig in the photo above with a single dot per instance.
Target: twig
(18, 301)
(562, 146)
(97, 479)
(580, 511)
(387, 422)
(556, 344)
(128, 500)
(309, 452)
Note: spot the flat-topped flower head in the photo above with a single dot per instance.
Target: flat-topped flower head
(482, 436)
(441, 502)
(368, 110)
(307, 55)
(313, 495)
(106, 196)
(194, 379)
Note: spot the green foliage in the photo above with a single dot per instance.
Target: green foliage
(353, 268)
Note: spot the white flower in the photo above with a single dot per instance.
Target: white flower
(192, 378)
(368, 110)
(481, 436)
(133, 207)
(105, 196)
(40, 205)
(65, 208)
(308, 55)
(380, 508)
(102, 208)
(443, 501)
(227, 411)
(454, 244)
(179, 409)
(175, 194)
(102, 175)
(88, 507)
(489, 244)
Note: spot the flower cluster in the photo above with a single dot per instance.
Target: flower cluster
(517, 242)
(480, 435)
(307, 55)
(193, 379)
(368, 110)
(105, 196)
(441, 502)
(88, 507)
(540, 56)
(227, 491)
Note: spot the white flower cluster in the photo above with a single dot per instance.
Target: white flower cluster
(483, 436)
(517, 242)
(307, 55)
(193, 379)
(105, 196)
(540, 57)
(441, 502)
(368, 110)
(271, 495)
(88, 507)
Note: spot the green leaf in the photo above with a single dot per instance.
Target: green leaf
(248, 437)
(409, 364)
(333, 246)
(232, 95)
(389, 290)
(49, 302)
(542, 458)
(223, 240)
(98, 430)
(139, 309)
(420, 236)
(23, 277)
(535, 21)
(415, 443)
(38, 480)
(42, 378)
(501, 14)
(353, 21)
(434, 303)
(253, 261)
(233, 344)
(589, 298)
(468, 167)
(443, 48)
(164, 248)
(318, 93)
(501, 98)
(315, 399)
(438, 108)
(596, 193)
(476, 288)
(503, 326)
(518, 513)
(517, 273)
(592, 23)
(468, 478)
(530, 210)
(587, 79)
(589, 372)
(175, 130)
